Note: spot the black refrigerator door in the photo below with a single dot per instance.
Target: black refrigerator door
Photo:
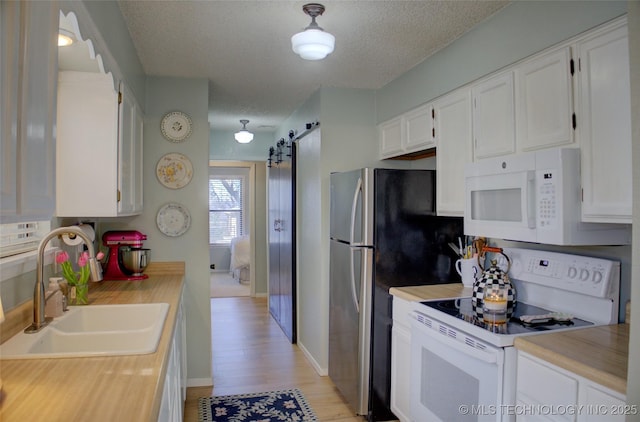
(411, 242)
(411, 248)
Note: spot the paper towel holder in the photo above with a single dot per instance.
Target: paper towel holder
(71, 239)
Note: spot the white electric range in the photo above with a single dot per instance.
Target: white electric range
(465, 370)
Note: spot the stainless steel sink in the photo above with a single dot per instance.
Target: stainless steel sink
(95, 330)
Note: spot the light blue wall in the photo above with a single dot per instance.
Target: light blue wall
(346, 139)
(517, 31)
(222, 146)
(191, 97)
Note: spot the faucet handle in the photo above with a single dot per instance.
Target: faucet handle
(95, 269)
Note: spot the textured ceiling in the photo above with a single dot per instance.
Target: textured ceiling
(243, 48)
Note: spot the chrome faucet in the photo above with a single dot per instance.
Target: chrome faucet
(39, 320)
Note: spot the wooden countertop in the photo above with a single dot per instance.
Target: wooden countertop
(431, 292)
(114, 388)
(599, 354)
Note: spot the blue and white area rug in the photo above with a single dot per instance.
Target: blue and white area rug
(272, 406)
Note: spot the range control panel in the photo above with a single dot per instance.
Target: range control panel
(574, 273)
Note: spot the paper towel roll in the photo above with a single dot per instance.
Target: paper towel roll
(73, 240)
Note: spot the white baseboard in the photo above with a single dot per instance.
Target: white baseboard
(323, 372)
(199, 382)
(260, 295)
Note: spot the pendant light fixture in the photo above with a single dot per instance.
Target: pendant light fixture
(243, 135)
(313, 43)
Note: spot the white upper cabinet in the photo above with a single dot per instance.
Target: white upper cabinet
(544, 106)
(453, 131)
(27, 149)
(409, 133)
(494, 117)
(418, 129)
(604, 125)
(390, 137)
(99, 150)
(130, 133)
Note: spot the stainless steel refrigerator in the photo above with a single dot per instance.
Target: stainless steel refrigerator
(383, 233)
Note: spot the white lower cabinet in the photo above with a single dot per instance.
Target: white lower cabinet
(401, 359)
(546, 392)
(175, 386)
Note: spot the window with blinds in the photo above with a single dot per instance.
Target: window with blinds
(226, 208)
(18, 238)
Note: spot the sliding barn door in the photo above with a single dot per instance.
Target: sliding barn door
(282, 235)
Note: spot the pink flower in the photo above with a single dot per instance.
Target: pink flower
(62, 257)
(83, 259)
(99, 256)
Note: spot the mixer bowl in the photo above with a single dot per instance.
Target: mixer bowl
(135, 260)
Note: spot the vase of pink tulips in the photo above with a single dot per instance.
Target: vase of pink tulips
(78, 280)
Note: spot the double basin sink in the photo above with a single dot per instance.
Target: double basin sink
(94, 330)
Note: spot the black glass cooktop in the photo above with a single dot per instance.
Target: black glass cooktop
(462, 308)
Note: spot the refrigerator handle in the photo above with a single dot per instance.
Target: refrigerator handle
(354, 294)
(354, 208)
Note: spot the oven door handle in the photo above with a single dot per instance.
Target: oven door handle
(485, 356)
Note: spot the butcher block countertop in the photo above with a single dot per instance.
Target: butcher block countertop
(431, 292)
(597, 353)
(113, 388)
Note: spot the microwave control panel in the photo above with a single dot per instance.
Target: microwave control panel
(547, 210)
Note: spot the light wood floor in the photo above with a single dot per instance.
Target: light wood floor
(251, 354)
(222, 284)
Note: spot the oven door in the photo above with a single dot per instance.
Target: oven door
(454, 377)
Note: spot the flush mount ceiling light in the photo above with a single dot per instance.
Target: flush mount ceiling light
(313, 43)
(243, 135)
(65, 38)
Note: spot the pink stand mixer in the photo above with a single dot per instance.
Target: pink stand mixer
(127, 259)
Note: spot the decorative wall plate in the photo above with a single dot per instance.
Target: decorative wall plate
(173, 219)
(176, 126)
(174, 170)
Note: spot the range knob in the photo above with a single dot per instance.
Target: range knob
(597, 277)
(584, 274)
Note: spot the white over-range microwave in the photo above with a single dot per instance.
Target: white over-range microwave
(533, 197)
